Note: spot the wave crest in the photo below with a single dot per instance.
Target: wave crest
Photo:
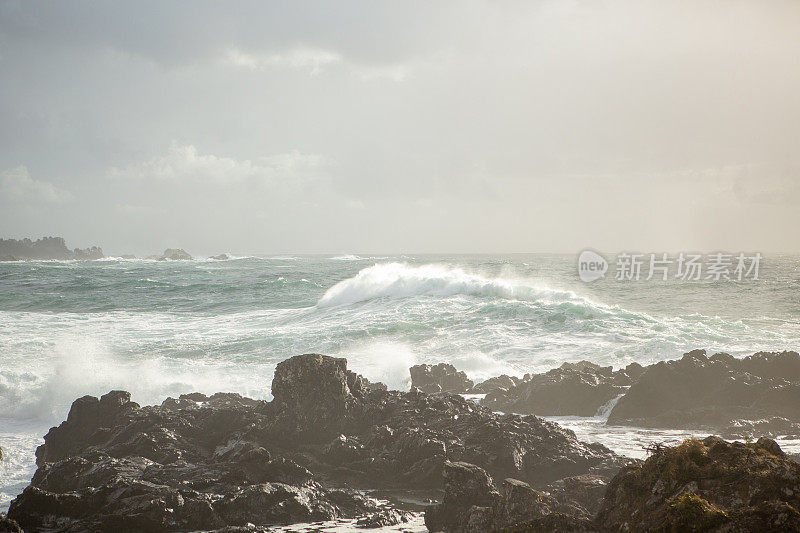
(401, 280)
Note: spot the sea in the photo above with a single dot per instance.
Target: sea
(163, 328)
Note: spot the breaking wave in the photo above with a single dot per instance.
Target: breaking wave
(401, 280)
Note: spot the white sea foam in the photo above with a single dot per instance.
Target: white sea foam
(401, 280)
(604, 410)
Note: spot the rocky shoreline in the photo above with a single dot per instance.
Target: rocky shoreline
(737, 397)
(330, 442)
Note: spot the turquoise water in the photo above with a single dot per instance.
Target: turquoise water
(165, 328)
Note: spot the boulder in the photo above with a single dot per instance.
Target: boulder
(469, 500)
(503, 383)
(383, 518)
(442, 377)
(706, 485)
(472, 504)
(581, 494)
(579, 389)
(715, 392)
(317, 395)
(220, 257)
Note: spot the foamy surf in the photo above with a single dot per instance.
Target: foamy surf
(401, 280)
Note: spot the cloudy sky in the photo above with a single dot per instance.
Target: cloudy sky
(347, 127)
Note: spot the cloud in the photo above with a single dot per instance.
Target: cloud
(312, 60)
(16, 184)
(183, 163)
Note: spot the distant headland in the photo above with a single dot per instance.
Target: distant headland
(45, 248)
(55, 249)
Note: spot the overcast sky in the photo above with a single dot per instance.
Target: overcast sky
(401, 127)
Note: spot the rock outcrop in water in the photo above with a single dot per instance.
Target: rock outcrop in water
(708, 485)
(503, 382)
(173, 254)
(52, 248)
(442, 377)
(204, 463)
(578, 389)
(757, 394)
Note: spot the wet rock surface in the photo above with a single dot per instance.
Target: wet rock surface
(578, 389)
(205, 463)
(442, 377)
(756, 395)
(503, 382)
(708, 485)
(473, 503)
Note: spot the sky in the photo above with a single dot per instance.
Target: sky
(401, 127)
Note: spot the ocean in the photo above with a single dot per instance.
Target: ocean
(159, 329)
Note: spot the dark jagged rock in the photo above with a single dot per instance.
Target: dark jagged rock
(220, 257)
(715, 392)
(174, 254)
(373, 385)
(395, 439)
(708, 485)
(8, 526)
(53, 248)
(180, 466)
(200, 462)
(442, 377)
(469, 500)
(472, 503)
(504, 382)
(582, 495)
(579, 389)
